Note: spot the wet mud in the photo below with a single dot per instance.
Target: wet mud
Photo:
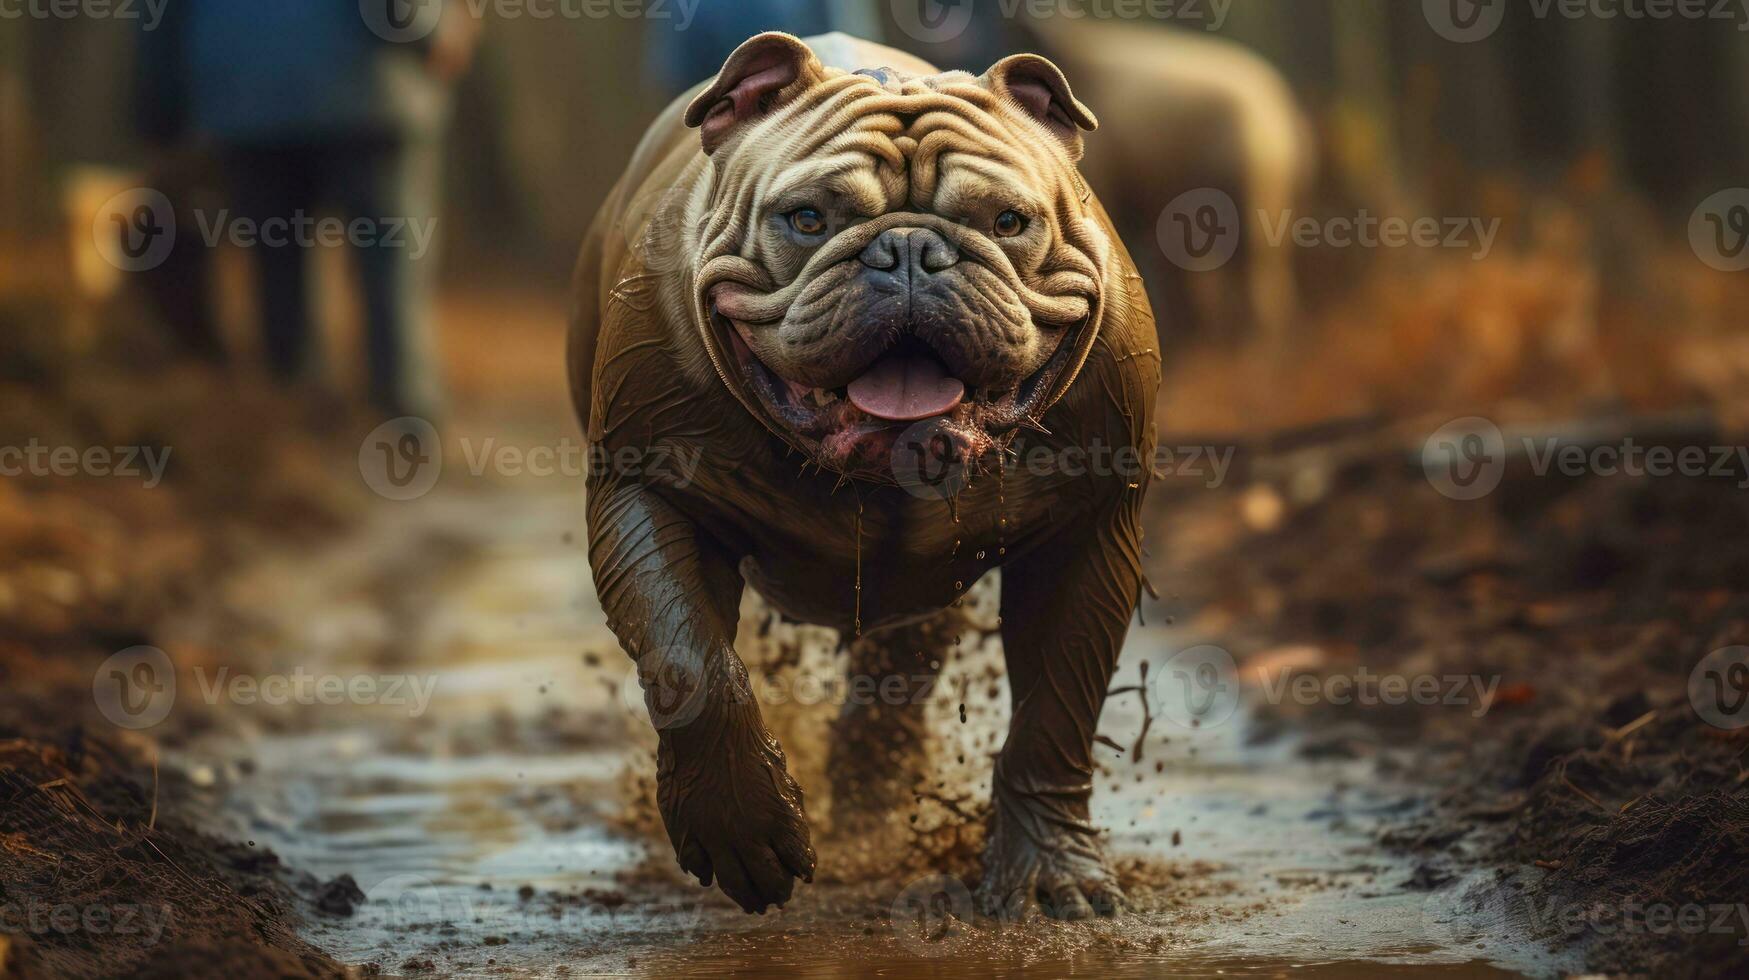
(511, 826)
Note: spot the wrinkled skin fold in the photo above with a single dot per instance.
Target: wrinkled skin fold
(704, 322)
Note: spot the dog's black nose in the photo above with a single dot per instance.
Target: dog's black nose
(920, 251)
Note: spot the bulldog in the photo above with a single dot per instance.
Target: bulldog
(880, 307)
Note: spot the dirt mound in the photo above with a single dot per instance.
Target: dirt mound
(96, 882)
(1608, 817)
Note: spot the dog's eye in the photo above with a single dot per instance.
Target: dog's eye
(807, 221)
(1009, 224)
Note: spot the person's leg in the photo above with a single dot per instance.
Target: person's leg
(394, 186)
(270, 184)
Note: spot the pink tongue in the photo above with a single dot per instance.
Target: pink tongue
(906, 387)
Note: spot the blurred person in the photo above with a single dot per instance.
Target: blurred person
(179, 288)
(310, 110)
(680, 55)
(683, 50)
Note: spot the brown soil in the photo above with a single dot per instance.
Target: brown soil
(1587, 785)
(101, 872)
(100, 884)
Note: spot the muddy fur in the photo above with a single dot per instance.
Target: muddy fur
(682, 264)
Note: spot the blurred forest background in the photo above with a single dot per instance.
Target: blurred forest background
(1591, 139)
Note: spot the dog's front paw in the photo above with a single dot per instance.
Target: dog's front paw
(735, 815)
(1040, 853)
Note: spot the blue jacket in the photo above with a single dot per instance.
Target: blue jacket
(271, 71)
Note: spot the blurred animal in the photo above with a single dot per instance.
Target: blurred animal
(1186, 112)
(842, 281)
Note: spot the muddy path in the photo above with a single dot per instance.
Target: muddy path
(491, 811)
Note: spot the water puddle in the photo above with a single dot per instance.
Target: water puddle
(487, 829)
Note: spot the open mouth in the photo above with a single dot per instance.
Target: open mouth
(906, 386)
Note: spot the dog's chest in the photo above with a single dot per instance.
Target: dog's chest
(882, 565)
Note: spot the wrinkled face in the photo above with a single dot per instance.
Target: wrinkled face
(884, 251)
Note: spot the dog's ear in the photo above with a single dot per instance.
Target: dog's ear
(1040, 90)
(762, 74)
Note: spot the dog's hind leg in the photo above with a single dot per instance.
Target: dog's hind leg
(880, 748)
